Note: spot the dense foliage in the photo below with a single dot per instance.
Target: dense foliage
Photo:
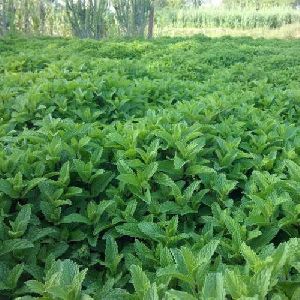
(150, 170)
(135, 18)
(81, 18)
(259, 3)
(227, 18)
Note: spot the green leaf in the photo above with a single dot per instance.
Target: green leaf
(129, 179)
(84, 141)
(261, 282)
(214, 287)
(83, 169)
(7, 188)
(179, 295)
(37, 234)
(14, 276)
(189, 259)
(32, 184)
(150, 170)
(112, 257)
(151, 293)
(294, 170)
(152, 230)
(12, 245)
(36, 287)
(172, 271)
(200, 170)
(100, 183)
(140, 280)
(50, 212)
(165, 180)
(235, 285)
(50, 190)
(73, 191)
(267, 235)
(178, 162)
(19, 226)
(75, 218)
(95, 211)
(130, 229)
(188, 193)
(251, 257)
(206, 252)
(64, 174)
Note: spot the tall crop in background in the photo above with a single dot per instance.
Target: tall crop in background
(227, 18)
(258, 4)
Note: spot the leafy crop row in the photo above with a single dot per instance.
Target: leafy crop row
(149, 170)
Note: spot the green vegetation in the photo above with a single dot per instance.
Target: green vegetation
(99, 19)
(149, 170)
(81, 18)
(225, 18)
(259, 4)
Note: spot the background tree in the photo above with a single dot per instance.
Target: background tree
(42, 15)
(151, 20)
(87, 17)
(7, 16)
(133, 16)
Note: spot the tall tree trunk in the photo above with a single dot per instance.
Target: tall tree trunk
(3, 21)
(42, 16)
(8, 15)
(26, 16)
(151, 22)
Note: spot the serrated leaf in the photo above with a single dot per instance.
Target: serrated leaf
(83, 169)
(151, 230)
(100, 183)
(235, 285)
(214, 287)
(35, 286)
(64, 174)
(129, 179)
(178, 162)
(7, 188)
(150, 170)
(140, 280)
(189, 259)
(189, 191)
(73, 191)
(112, 257)
(151, 293)
(15, 244)
(19, 226)
(179, 295)
(32, 184)
(14, 276)
(261, 282)
(75, 218)
(206, 252)
(250, 256)
(130, 229)
(294, 170)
